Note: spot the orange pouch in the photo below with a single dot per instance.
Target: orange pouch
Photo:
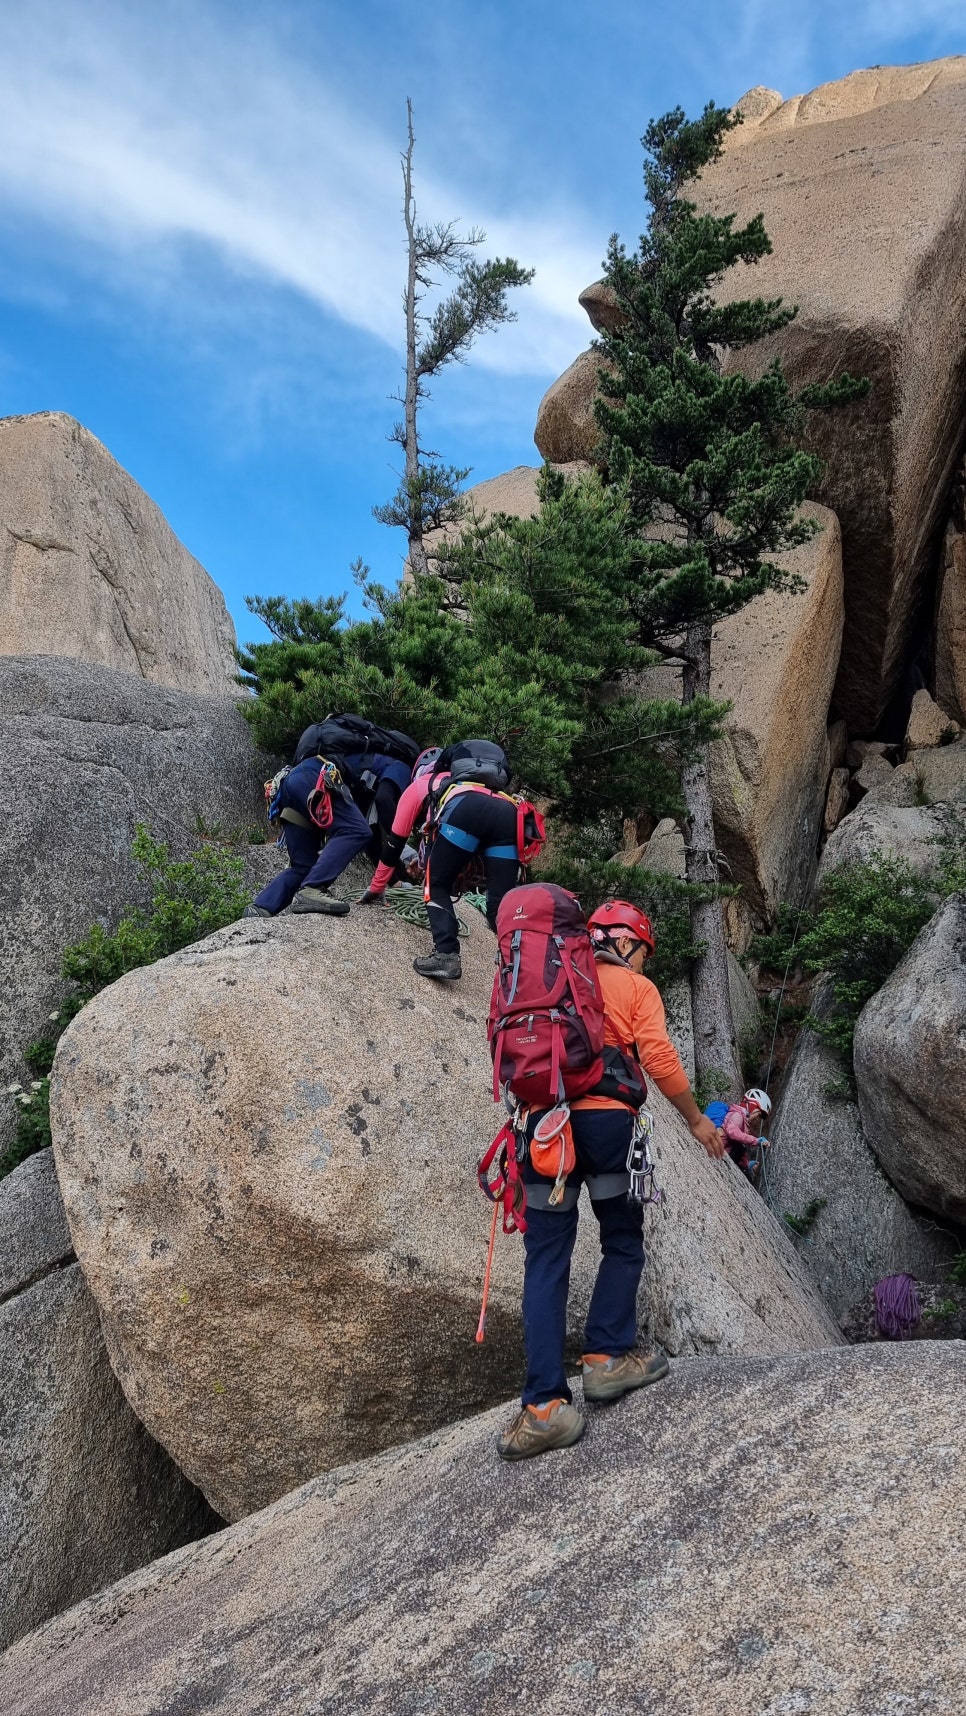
(557, 1158)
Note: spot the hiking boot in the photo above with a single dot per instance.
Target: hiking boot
(438, 965)
(537, 1429)
(606, 1378)
(319, 900)
(256, 912)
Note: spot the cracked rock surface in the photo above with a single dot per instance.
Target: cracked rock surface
(86, 752)
(86, 1495)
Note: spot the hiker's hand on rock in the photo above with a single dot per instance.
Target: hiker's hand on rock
(373, 897)
(709, 1136)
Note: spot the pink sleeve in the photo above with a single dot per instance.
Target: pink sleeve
(732, 1128)
(410, 806)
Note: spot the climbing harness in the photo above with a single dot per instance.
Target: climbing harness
(643, 1188)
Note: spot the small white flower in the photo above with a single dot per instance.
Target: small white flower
(55, 1014)
(25, 1100)
(14, 1089)
(36, 1084)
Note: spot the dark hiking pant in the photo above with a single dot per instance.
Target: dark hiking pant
(474, 822)
(602, 1137)
(385, 801)
(316, 859)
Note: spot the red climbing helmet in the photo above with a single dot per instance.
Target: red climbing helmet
(616, 916)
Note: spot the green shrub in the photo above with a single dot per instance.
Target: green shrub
(867, 918)
(192, 897)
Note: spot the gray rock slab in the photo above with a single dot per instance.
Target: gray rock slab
(278, 1212)
(818, 1150)
(85, 1494)
(910, 1067)
(749, 1538)
(87, 752)
(34, 1237)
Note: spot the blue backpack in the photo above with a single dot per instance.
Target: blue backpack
(716, 1111)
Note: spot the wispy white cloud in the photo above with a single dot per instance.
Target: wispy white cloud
(131, 132)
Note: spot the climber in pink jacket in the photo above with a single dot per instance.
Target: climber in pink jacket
(744, 1145)
(409, 815)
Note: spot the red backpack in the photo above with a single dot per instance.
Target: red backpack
(546, 1024)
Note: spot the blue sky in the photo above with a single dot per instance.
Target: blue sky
(201, 247)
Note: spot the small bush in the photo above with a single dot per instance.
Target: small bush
(192, 897)
(868, 916)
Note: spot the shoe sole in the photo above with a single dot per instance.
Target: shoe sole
(440, 976)
(608, 1398)
(514, 1454)
(338, 909)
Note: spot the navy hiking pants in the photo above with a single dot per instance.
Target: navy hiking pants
(473, 822)
(602, 1138)
(315, 858)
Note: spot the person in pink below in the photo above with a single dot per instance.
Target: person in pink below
(743, 1143)
(409, 816)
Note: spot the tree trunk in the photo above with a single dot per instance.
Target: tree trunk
(417, 551)
(716, 1059)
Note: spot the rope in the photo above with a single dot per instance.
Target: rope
(406, 900)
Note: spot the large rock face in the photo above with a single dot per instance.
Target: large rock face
(951, 616)
(862, 185)
(747, 1539)
(89, 566)
(85, 1494)
(775, 662)
(267, 1146)
(86, 753)
(865, 1230)
(910, 1067)
(566, 426)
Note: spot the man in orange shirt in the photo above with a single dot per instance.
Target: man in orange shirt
(602, 1132)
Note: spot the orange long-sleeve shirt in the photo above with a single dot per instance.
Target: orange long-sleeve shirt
(634, 1013)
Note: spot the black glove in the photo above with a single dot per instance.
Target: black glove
(373, 897)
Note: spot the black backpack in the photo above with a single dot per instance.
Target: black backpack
(477, 760)
(343, 735)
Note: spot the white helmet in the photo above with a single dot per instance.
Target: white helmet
(757, 1099)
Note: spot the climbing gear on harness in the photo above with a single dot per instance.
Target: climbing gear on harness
(438, 965)
(546, 1023)
(607, 1378)
(319, 900)
(273, 805)
(319, 800)
(609, 920)
(504, 1186)
(642, 1189)
(502, 1183)
(537, 1429)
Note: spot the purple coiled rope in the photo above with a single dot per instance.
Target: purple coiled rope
(898, 1312)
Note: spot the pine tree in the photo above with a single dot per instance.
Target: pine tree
(428, 495)
(707, 462)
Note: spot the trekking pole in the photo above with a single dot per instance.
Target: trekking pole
(481, 1325)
